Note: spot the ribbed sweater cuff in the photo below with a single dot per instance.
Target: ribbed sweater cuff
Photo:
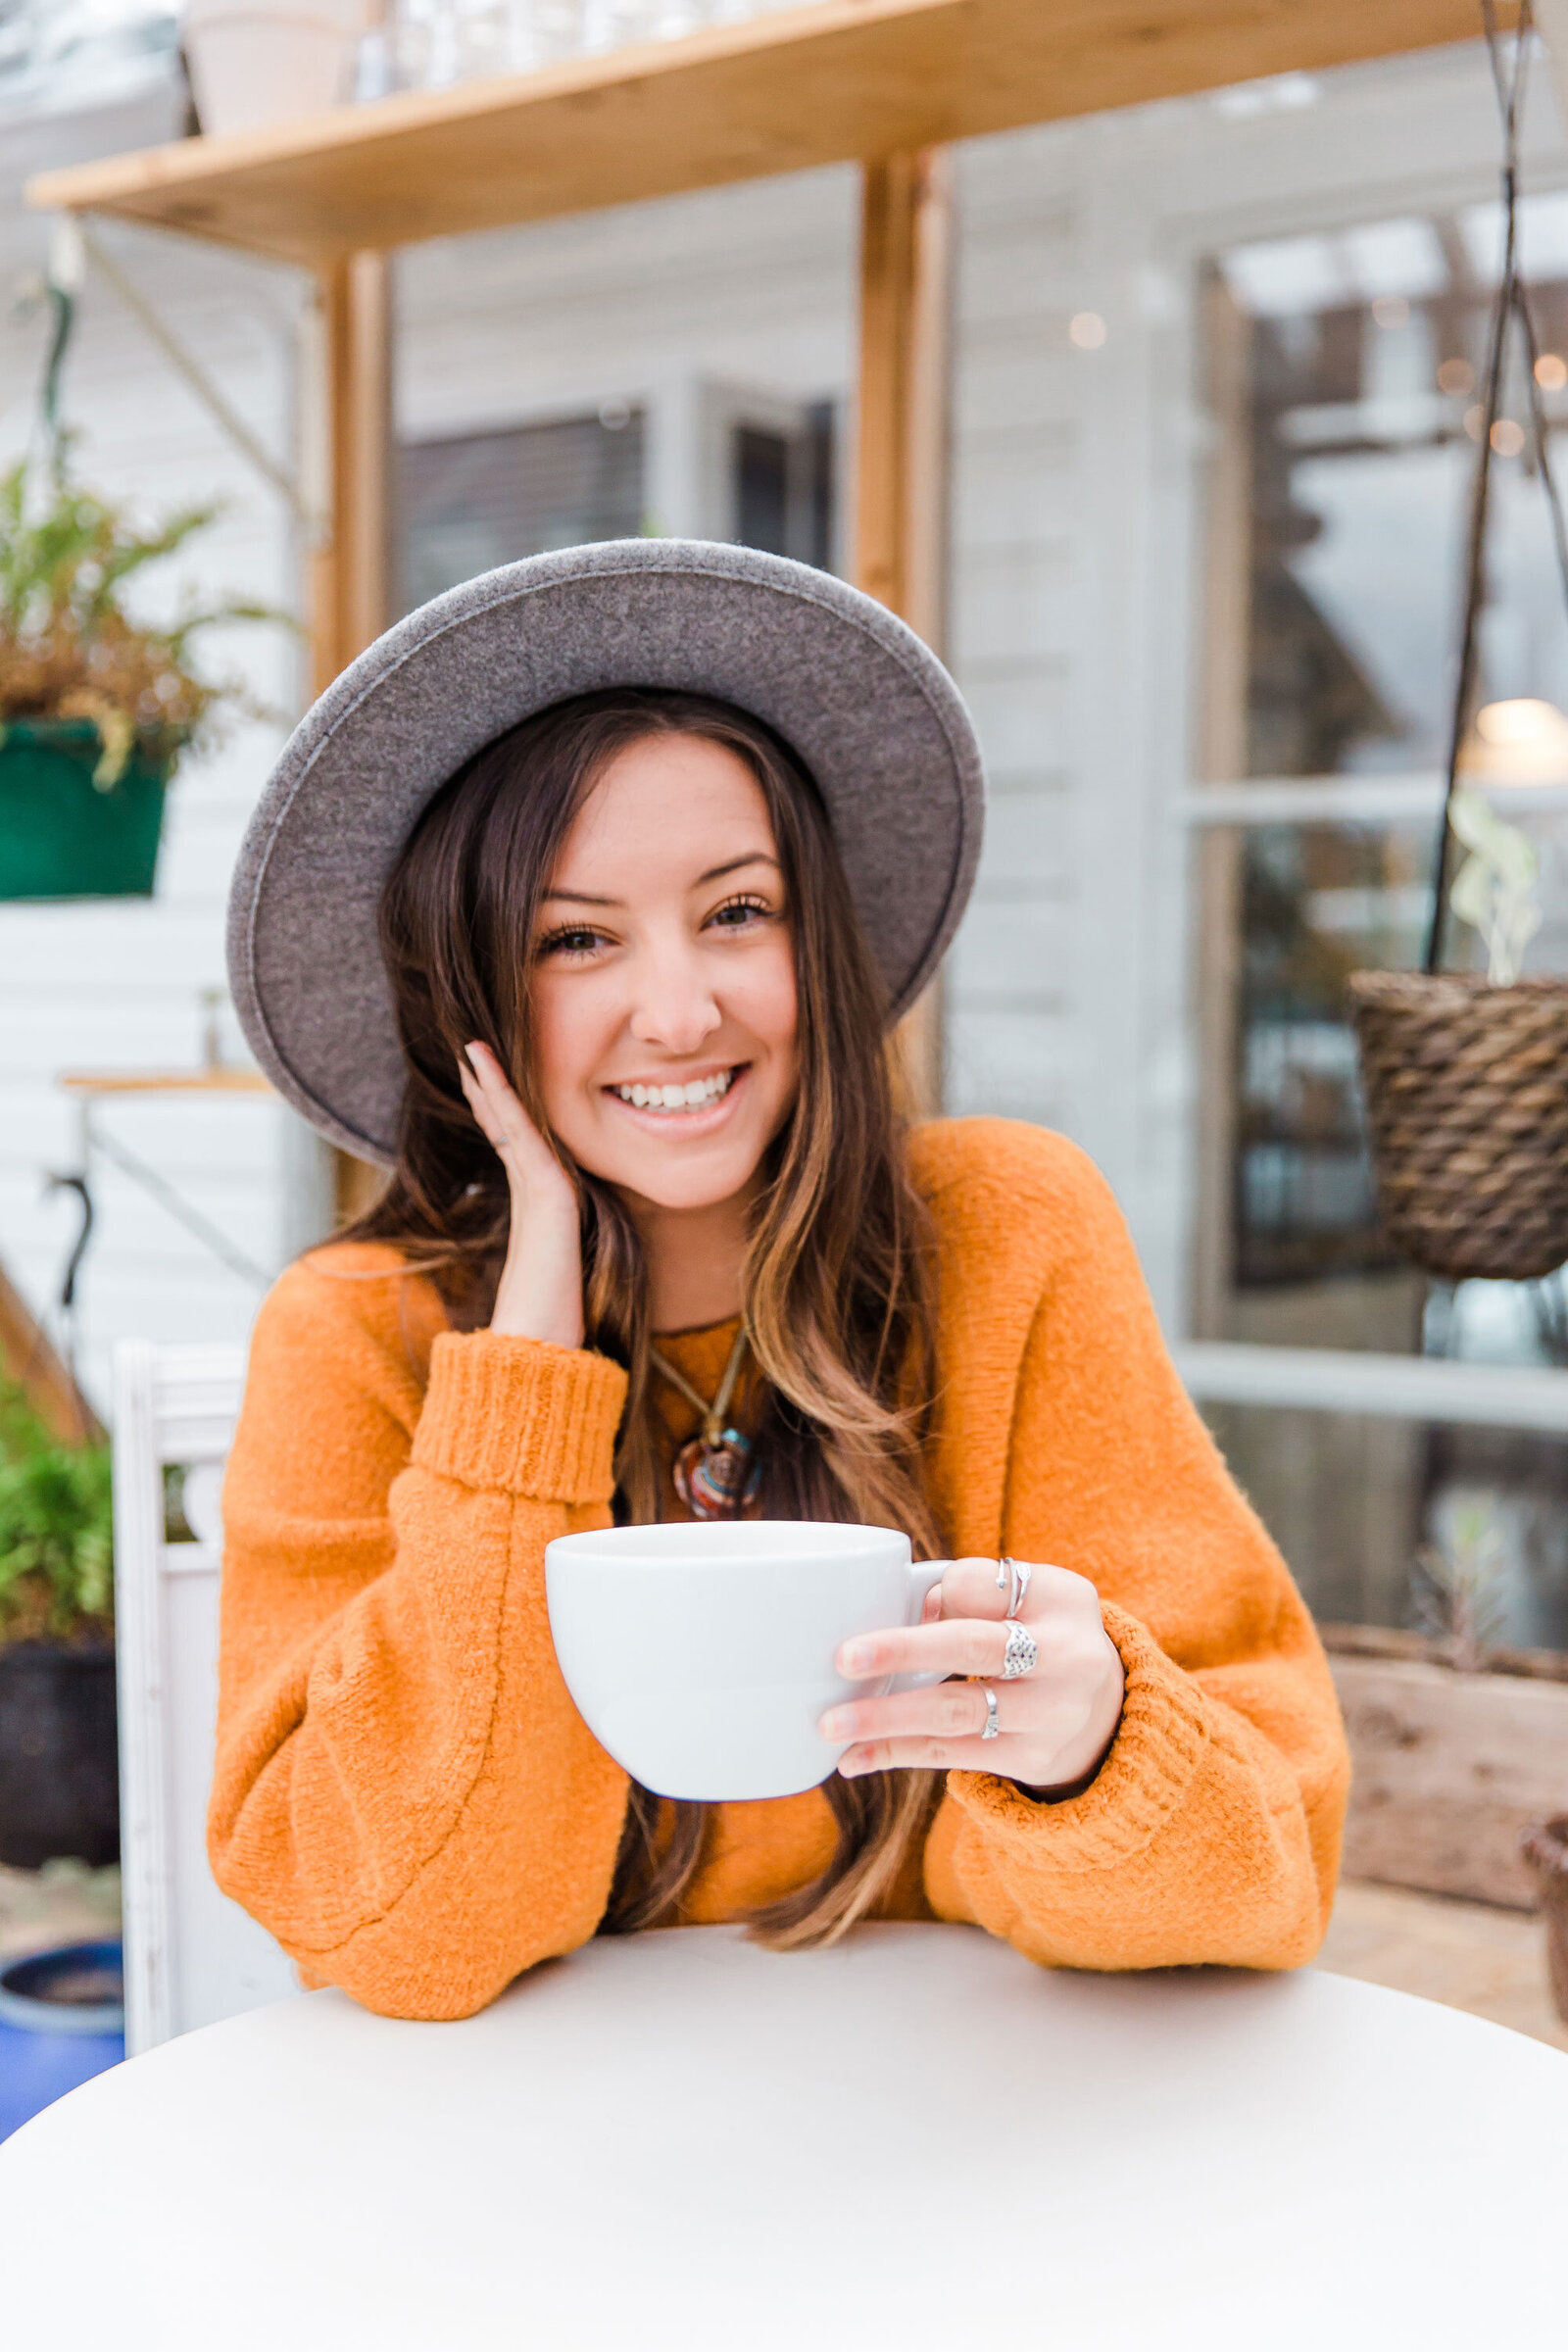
(1145, 1776)
(522, 1416)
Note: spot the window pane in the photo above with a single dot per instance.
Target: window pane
(1344, 368)
(1367, 1510)
(483, 499)
(1318, 901)
(1351, 367)
(784, 486)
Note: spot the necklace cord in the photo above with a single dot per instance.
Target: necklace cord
(714, 1414)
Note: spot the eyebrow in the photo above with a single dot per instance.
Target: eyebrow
(715, 873)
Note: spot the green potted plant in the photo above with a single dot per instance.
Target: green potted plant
(95, 707)
(59, 1772)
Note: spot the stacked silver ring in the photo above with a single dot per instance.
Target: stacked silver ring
(1012, 1577)
(1021, 1653)
(991, 1729)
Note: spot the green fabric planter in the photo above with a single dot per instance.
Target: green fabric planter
(60, 835)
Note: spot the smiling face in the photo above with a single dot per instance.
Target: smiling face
(662, 988)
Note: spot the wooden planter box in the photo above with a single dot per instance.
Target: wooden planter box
(1449, 1770)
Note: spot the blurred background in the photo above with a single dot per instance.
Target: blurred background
(1213, 413)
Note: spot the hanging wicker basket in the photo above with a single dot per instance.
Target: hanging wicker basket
(1467, 1099)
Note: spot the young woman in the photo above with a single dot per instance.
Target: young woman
(586, 898)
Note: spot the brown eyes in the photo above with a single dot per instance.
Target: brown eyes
(576, 940)
(582, 939)
(735, 912)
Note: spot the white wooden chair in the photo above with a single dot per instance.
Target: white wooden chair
(192, 1956)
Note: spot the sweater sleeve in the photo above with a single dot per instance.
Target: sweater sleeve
(403, 1793)
(1211, 1832)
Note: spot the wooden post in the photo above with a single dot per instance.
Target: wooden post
(348, 444)
(1216, 863)
(901, 458)
(901, 520)
(351, 565)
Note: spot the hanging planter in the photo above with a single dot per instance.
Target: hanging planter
(1466, 1077)
(62, 835)
(1467, 1099)
(96, 705)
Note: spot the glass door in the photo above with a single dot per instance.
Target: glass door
(1396, 1433)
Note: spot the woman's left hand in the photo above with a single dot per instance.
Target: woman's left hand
(1054, 1724)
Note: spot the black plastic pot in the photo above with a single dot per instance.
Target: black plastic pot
(59, 1754)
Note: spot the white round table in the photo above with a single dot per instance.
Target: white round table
(914, 2141)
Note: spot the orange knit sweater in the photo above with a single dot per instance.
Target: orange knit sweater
(406, 1795)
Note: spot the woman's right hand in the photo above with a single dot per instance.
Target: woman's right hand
(540, 1292)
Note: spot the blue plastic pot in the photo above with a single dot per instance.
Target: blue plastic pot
(62, 2021)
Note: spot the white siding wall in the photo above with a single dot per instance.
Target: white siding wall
(755, 287)
(106, 985)
(1077, 477)
(685, 308)
(1066, 987)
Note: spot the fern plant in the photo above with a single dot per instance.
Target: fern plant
(1496, 889)
(56, 1529)
(69, 649)
(1458, 1582)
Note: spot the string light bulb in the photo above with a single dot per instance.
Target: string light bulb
(1522, 741)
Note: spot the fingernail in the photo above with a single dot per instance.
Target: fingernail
(856, 1657)
(472, 1051)
(850, 1768)
(833, 1726)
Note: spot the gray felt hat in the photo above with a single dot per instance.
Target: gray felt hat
(868, 707)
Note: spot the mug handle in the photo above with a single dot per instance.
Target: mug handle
(924, 1576)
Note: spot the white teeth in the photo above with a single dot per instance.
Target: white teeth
(696, 1095)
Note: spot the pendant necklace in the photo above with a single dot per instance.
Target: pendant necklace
(716, 1473)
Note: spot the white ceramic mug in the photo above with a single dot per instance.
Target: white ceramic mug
(701, 1653)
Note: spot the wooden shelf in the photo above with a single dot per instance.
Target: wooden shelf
(841, 80)
(165, 1082)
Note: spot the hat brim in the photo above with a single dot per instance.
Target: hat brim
(868, 710)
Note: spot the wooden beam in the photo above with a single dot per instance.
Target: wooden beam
(349, 582)
(349, 442)
(901, 495)
(838, 81)
(1223, 729)
(900, 468)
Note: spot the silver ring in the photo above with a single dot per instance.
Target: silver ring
(1021, 1653)
(1012, 1578)
(991, 1728)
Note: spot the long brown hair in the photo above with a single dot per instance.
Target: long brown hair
(837, 1273)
